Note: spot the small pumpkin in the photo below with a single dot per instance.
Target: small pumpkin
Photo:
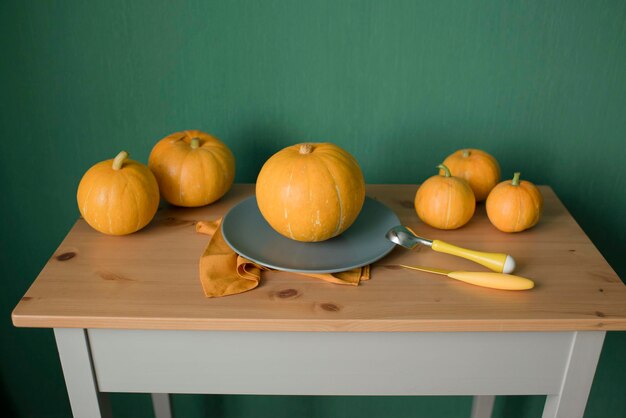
(444, 201)
(514, 205)
(310, 192)
(119, 196)
(480, 169)
(192, 168)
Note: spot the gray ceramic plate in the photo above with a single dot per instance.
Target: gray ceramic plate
(246, 231)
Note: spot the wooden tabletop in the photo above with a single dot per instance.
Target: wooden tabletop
(149, 280)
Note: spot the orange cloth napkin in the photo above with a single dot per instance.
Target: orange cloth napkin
(224, 272)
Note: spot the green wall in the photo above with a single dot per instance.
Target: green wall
(400, 84)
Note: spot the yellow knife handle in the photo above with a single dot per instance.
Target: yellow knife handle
(498, 262)
(493, 280)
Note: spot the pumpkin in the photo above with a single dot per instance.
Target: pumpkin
(444, 201)
(514, 205)
(479, 168)
(192, 168)
(119, 196)
(310, 192)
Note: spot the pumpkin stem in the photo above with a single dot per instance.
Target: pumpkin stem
(119, 160)
(446, 170)
(195, 143)
(306, 148)
(515, 181)
(466, 153)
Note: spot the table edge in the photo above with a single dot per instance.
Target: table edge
(323, 325)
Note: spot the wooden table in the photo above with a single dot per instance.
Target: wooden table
(129, 316)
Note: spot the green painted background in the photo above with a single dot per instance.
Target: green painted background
(400, 84)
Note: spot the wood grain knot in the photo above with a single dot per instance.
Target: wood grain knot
(392, 267)
(330, 307)
(572, 251)
(171, 221)
(605, 277)
(600, 314)
(407, 204)
(107, 275)
(66, 256)
(287, 293)
(601, 290)
(26, 298)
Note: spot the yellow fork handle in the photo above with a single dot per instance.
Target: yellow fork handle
(498, 262)
(493, 280)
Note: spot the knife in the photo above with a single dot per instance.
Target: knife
(479, 278)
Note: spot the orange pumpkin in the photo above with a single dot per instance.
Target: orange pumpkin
(480, 169)
(514, 205)
(192, 168)
(119, 196)
(444, 201)
(310, 192)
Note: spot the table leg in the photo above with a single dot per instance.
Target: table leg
(85, 398)
(578, 377)
(482, 406)
(161, 405)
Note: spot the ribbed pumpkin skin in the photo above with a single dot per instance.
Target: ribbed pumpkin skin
(479, 168)
(118, 202)
(445, 202)
(514, 208)
(192, 177)
(310, 196)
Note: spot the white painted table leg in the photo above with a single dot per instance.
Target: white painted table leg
(82, 388)
(578, 377)
(161, 405)
(482, 407)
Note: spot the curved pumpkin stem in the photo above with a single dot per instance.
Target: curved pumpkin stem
(119, 160)
(466, 153)
(446, 170)
(515, 181)
(195, 143)
(305, 148)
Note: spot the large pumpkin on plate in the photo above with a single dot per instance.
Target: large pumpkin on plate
(192, 168)
(119, 196)
(310, 192)
(480, 169)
